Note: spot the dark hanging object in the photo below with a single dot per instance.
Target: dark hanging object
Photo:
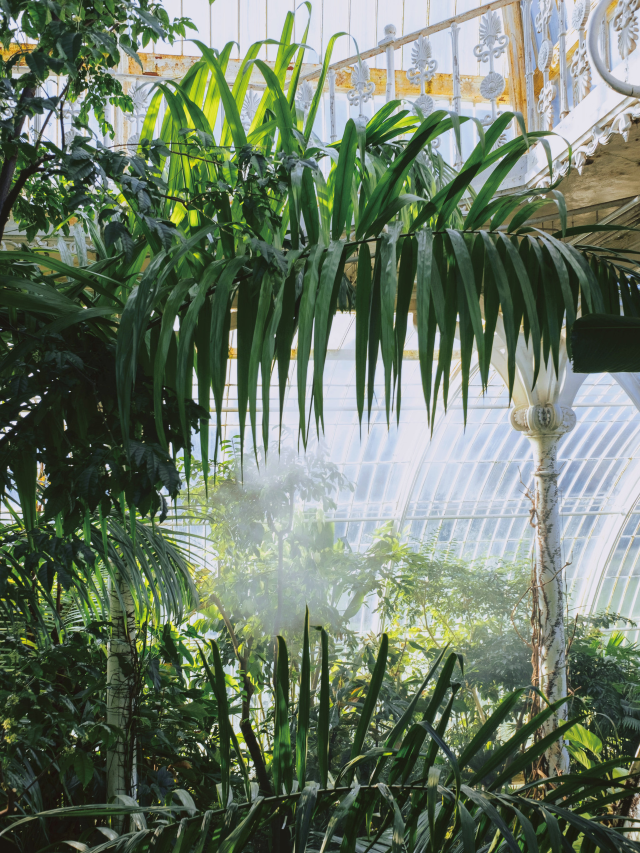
(605, 343)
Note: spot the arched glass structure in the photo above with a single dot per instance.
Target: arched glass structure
(466, 487)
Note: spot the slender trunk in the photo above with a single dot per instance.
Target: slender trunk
(120, 689)
(544, 426)
(8, 169)
(631, 806)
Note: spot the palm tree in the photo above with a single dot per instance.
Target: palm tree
(265, 236)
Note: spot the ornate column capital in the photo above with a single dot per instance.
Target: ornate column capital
(548, 419)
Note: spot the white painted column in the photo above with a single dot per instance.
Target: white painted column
(387, 42)
(544, 426)
(332, 105)
(562, 48)
(456, 101)
(525, 8)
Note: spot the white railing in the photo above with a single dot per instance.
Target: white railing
(543, 59)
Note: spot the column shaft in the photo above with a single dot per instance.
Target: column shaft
(544, 426)
(549, 590)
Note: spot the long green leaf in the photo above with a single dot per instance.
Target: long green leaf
(304, 706)
(363, 310)
(324, 308)
(342, 184)
(219, 685)
(388, 293)
(305, 327)
(369, 703)
(323, 711)
(282, 767)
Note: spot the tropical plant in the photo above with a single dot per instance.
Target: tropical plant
(268, 220)
(117, 575)
(56, 735)
(407, 788)
(43, 185)
(283, 234)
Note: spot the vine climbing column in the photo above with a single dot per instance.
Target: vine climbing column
(544, 426)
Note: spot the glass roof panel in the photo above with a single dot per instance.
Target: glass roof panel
(467, 488)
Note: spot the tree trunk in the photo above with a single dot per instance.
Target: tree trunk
(9, 167)
(631, 806)
(544, 426)
(120, 690)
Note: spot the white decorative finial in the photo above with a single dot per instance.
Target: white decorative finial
(420, 73)
(387, 42)
(249, 108)
(625, 24)
(493, 43)
(363, 88)
(548, 92)
(580, 65)
(305, 96)
(389, 35)
(139, 97)
(70, 111)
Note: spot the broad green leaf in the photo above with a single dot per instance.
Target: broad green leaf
(342, 185)
(363, 310)
(317, 97)
(338, 816)
(323, 711)
(304, 812)
(305, 327)
(236, 841)
(369, 703)
(406, 279)
(282, 767)
(233, 129)
(324, 308)
(397, 837)
(219, 686)
(388, 293)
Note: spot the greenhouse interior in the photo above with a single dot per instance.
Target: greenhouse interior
(320, 397)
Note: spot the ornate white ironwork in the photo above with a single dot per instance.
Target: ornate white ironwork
(421, 72)
(545, 54)
(456, 100)
(139, 96)
(493, 43)
(625, 24)
(249, 108)
(363, 88)
(305, 96)
(525, 10)
(332, 105)
(562, 56)
(70, 111)
(580, 65)
(387, 43)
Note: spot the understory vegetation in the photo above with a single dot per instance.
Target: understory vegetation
(288, 692)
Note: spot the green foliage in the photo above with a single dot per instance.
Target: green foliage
(439, 803)
(273, 226)
(604, 672)
(42, 567)
(42, 184)
(55, 735)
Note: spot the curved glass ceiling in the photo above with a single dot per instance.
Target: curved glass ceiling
(466, 487)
